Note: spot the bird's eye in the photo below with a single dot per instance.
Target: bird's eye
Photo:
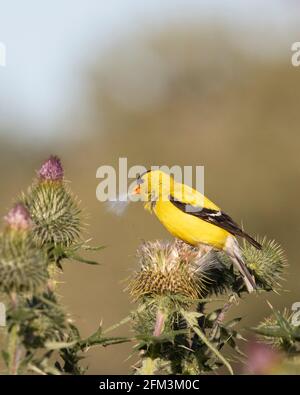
(139, 180)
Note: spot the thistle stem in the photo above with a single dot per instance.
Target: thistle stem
(192, 322)
(16, 360)
(159, 323)
(221, 315)
(14, 300)
(14, 350)
(149, 363)
(148, 366)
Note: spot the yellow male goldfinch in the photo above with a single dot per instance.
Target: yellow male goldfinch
(191, 217)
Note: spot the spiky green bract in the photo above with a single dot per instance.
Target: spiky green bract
(55, 214)
(267, 264)
(53, 209)
(23, 266)
(280, 331)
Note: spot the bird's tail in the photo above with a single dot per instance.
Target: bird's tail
(233, 250)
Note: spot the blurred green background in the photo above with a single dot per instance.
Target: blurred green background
(180, 86)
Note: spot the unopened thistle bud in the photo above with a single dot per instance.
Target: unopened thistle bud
(23, 266)
(267, 264)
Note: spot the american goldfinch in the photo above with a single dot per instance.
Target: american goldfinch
(191, 217)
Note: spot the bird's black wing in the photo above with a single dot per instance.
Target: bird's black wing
(215, 217)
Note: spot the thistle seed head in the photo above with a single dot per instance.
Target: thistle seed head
(51, 170)
(173, 269)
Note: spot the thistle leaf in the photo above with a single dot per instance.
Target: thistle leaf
(58, 345)
(83, 260)
(191, 319)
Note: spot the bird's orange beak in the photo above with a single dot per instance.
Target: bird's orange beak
(137, 190)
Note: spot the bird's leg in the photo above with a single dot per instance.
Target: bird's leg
(233, 250)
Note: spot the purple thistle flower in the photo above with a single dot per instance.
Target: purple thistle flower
(18, 218)
(262, 359)
(51, 170)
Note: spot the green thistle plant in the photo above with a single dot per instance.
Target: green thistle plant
(23, 267)
(176, 333)
(45, 321)
(38, 235)
(172, 280)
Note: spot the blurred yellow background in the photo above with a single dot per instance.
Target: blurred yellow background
(183, 93)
